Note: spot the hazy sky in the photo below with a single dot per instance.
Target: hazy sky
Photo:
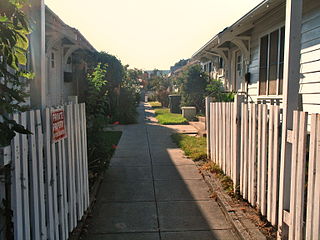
(150, 34)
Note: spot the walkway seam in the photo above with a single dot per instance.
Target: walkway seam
(152, 173)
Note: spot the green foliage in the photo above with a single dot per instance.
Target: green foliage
(101, 146)
(97, 99)
(216, 90)
(193, 147)
(129, 97)
(164, 117)
(161, 85)
(115, 72)
(127, 112)
(14, 43)
(192, 84)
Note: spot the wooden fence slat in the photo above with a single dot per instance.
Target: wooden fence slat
(60, 192)
(65, 196)
(73, 164)
(250, 147)
(245, 154)
(270, 162)
(35, 209)
(223, 154)
(216, 133)
(85, 147)
(301, 173)
(54, 183)
(210, 132)
(16, 192)
(40, 154)
(80, 162)
(25, 178)
(275, 170)
(232, 154)
(48, 172)
(311, 177)
(228, 147)
(259, 149)
(254, 156)
(316, 202)
(264, 142)
(70, 180)
(242, 150)
(295, 136)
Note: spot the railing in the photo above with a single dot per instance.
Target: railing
(50, 189)
(246, 143)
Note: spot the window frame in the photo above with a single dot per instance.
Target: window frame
(262, 35)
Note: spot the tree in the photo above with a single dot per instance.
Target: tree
(162, 86)
(14, 30)
(193, 82)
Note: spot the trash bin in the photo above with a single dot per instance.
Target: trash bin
(174, 103)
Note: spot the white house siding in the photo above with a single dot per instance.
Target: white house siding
(310, 53)
(310, 58)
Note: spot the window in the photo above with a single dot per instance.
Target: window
(52, 60)
(271, 63)
(205, 67)
(220, 62)
(210, 67)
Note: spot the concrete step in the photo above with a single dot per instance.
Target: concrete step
(201, 128)
(202, 119)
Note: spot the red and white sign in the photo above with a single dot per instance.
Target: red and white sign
(58, 125)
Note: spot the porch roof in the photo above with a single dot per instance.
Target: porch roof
(57, 29)
(240, 29)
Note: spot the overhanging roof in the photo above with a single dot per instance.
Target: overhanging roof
(54, 25)
(237, 29)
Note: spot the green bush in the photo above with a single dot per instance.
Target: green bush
(126, 112)
(193, 84)
(216, 90)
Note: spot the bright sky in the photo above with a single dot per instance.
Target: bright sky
(150, 34)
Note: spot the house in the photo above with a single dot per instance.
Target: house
(57, 57)
(271, 55)
(251, 54)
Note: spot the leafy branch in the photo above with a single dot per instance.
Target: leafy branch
(14, 31)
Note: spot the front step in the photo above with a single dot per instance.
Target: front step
(201, 128)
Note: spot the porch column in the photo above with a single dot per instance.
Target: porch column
(291, 76)
(37, 48)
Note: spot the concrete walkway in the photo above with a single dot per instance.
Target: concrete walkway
(152, 192)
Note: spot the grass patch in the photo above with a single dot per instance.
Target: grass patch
(155, 104)
(164, 117)
(101, 146)
(194, 147)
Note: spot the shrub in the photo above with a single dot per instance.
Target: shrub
(216, 90)
(193, 84)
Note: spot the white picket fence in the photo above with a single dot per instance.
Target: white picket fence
(252, 160)
(50, 188)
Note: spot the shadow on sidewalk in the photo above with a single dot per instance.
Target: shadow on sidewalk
(152, 191)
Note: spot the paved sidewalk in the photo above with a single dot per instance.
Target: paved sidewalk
(152, 192)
